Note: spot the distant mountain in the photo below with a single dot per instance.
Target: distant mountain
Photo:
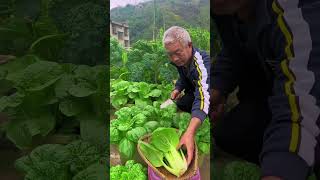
(185, 13)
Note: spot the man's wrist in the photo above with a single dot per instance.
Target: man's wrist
(193, 125)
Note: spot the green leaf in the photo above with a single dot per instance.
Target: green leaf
(48, 170)
(50, 152)
(85, 73)
(125, 125)
(136, 133)
(144, 89)
(133, 88)
(16, 65)
(237, 170)
(37, 76)
(82, 89)
(63, 85)
(130, 163)
(33, 100)
(70, 107)
(204, 147)
(142, 102)
(93, 172)
(114, 134)
(139, 119)
(164, 138)
(13, 100)
(24, 125)
(24, 164)
(151, 126)
(126, 148)
(152, 154)
(83, 154)
(38, 88)
(45, 122)
(118, 101)
(93, 130)
(155, 93)
(132, 95)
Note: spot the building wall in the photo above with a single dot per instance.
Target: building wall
(121, 33)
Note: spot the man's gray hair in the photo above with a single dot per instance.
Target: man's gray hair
(176, 33)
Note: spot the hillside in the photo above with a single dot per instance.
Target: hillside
(186, 13)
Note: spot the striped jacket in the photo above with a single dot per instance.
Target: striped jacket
(196, 78)
(279, 61)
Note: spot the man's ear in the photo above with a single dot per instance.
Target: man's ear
(190, 44)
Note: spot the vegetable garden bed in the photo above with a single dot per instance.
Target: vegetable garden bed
(137, 112)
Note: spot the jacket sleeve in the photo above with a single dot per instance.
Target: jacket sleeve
(223, 73)
(201, 102)
(291, 142)
(181, 83)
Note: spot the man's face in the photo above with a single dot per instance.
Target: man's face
(224, 7)
(179, 54)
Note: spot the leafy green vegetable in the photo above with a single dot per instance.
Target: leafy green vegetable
(152, 154)
(114, 134)
(151, 126)
(238, 170)
(82, 154)
(95, 171)
(139, 119)
(126, 148)
(165, 140)
(48, 170)
(131, 170)
(37, 76)
(136, 133)
(204, 147)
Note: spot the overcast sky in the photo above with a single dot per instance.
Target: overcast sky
(116, 3)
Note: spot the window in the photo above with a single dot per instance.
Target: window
(114, 29)
(126, 43)
(125, 31)
(120, 35)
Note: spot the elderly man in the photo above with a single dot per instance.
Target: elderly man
(193, 66)
(271, 52)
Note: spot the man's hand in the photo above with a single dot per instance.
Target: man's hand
(217, 101)
(187, 139)
(175, 94)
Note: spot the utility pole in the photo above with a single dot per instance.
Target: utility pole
(154, 20)
(164, 22)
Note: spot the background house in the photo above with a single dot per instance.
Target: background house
(121, 32)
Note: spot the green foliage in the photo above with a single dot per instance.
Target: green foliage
(200, 38)
(139, 93)
(47, 93)
(168, 13)
(131, 170)
(86, 23)
(116, 51)
(93, 172)
(38, 36)
(78, 159)
(55, 30)
(162, 151)
(126, 148)
(239, 170)
(147, 60)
